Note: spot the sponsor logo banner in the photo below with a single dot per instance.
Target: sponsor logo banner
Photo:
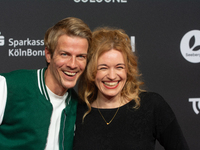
(190, 46)
(23, 47)
(195, 104)
(2, 40)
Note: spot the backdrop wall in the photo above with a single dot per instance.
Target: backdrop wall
(167, 42)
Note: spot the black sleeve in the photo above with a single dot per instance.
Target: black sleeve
(172, 137)
(168, 131)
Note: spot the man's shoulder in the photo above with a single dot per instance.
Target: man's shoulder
(73, 94)
(17, 73)
(20, 76)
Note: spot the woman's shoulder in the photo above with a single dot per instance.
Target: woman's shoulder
(154, 101)
(81, 106)
(151, 97)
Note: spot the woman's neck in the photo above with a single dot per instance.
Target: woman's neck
(107, 102)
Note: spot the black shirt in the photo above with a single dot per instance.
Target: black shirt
(131, 129)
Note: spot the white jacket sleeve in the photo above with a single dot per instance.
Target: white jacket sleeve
(3, 97)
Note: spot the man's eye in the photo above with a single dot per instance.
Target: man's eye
(81, 57)
(63, 54)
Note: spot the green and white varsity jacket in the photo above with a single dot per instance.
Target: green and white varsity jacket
(25, 122)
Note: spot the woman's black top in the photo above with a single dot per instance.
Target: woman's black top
(131, 129)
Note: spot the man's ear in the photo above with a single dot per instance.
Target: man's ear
(47, 55)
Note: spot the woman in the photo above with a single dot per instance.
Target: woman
(116, 114)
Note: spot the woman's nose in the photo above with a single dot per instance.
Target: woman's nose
(112, 74)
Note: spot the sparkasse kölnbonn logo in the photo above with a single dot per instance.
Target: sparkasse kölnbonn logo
(190, 46)
(2, 40)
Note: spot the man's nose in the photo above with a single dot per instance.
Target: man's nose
(72, 62)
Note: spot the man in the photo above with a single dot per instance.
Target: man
(38, 107)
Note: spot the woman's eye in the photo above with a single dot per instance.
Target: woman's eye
(103, 68)
(120, 67)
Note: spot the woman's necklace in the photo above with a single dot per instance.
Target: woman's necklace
(103, 116)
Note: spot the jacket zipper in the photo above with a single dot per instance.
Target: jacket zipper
(63, 130)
